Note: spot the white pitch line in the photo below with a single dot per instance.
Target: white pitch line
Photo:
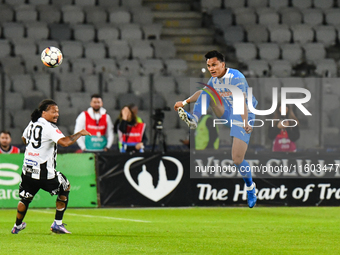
(95, 216)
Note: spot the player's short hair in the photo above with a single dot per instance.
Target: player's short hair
(215, 54)
(5, 132)
(43, 106)
(95, 96)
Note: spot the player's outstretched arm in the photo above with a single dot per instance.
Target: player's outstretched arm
(71, 139)
(191, 99)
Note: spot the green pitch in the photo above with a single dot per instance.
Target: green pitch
(262, 230)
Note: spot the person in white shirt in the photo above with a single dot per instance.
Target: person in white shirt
(41, 137)
(98, 123)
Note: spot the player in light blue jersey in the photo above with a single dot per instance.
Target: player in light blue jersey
(227, 85)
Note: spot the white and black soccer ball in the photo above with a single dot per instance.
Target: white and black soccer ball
(51, 57)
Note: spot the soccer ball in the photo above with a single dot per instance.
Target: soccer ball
(51, 57)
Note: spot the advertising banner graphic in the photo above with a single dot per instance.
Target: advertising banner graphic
(164, 180)
(78, 168)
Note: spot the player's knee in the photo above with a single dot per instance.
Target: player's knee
(237, 159)
(24, 202)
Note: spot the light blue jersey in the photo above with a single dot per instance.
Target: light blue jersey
(232, 77)
(235, 78)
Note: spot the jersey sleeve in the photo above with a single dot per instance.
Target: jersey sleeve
(55, 133)
(25, 133)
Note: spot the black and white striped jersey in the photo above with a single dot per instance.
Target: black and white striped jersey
(41, 149)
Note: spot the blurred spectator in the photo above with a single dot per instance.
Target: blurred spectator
(5, 143)
(131, 133)
(134, 109)
(284, 132)
(96, 121)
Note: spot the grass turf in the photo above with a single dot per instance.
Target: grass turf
(262, 230)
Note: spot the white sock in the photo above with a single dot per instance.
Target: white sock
(59, 222)
(20, 226)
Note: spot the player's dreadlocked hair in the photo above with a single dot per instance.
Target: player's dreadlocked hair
(43, 106)
(215, 54)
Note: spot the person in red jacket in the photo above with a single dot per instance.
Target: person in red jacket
(5, 143)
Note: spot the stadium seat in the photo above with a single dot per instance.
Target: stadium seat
(294, 82)
(183, 85)
(152, 66)
(130, 32)
(49, 13)
(323, 4)
(325, 35)
(72, 14)
(281, 68)
(129, 67)
(164, 85)
(84, 32)
(5, 48)
(267, 85)
(302, 4)
(32, 99)
(175, 66)
(95, 50)
(16, 134)
(14, 101)
(256, 33)
(312, 16)
(314, 51)
(42, 82)
(80, 100)
(164, 49)
(152, 31)
(132, 3)
(208, 5)
(245, 16)
(118, 49)
(63, 100)
(85, 2)
(37, 30)
(222, 18)
(332, 16)
(105, 65)
(269, 51)
(142, 15)
(6, 14)
(129, 98)
(326, 68)
(234, 3)
(117, 85)
(13, 30)
(158, 100)
(302, 33)
(22, 83)
(61, 2)
(140, 84)
(141, 49)
(82, 66)
(68, 118)
(13, 65)
(277, 5)
(107, 33)
(290, 16)
(21, 118)
(25, 13)
(259, 68)
(60, 32)
(109, 102)
(291, 52)
(69, 82)
(33, 64)
(245, 51)
(257, 3)
(39, 2)
(233, 34)
(119, 16)
(95, 14)
(72, 49)
(280, 33)
(108, 3)
(268, 16)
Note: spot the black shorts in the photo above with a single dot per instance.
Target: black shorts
(29, 187)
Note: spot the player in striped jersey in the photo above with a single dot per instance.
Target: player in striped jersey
(41, 137)
(221, 83)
